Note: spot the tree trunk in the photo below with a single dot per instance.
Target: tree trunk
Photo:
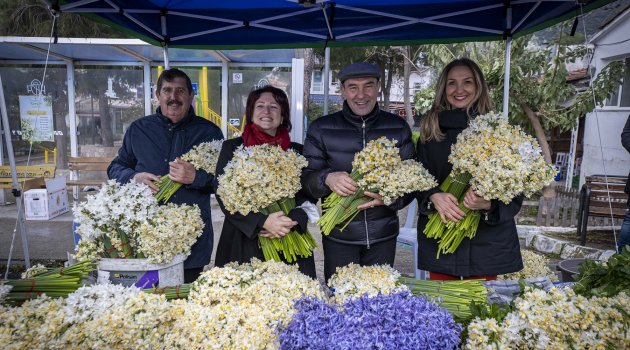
(61, 140)
(308, 74)
(107, 134)
(406, 88)
(548, 191)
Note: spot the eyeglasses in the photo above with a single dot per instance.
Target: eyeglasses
(169, 90)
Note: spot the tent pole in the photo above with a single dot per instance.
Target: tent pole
(506, 79)
(165, 52)
(326, 78)
(572, 151)
(16, 186)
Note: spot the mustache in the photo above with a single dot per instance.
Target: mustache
(174, 103)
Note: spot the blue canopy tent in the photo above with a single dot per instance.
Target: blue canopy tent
(263, 24)
(255, 24)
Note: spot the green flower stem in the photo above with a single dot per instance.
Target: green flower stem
(292, 245)
(127, 252)
(110, 251)
(166, 189)
(455, 296)
(457, 185)
(55, 283)
(176, 292)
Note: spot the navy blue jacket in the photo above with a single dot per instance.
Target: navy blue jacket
(150, 143)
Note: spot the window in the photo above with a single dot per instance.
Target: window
(621, 97)
(318, 82)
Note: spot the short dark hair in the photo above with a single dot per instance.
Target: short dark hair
(278, 95)
(170, 75)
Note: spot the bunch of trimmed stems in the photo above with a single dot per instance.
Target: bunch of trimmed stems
(455, 296)
(56, 282)
(175, 292)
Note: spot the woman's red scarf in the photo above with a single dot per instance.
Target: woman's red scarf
(253, 136)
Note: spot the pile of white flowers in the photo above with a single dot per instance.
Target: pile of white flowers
(235, 307)
(534, 265)
(258, 176)
(502, 160)
(380, 169)
(558, 319)
(247, 302)
(204, 155)
(125, 221)
(353, 281)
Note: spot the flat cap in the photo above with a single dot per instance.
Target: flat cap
(359, 70)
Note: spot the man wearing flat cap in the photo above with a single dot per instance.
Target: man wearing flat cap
(330, 145)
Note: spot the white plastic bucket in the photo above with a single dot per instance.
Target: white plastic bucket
(140, 272)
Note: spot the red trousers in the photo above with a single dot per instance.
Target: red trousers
(436, 276)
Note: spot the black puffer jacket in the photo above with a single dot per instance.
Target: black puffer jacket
(495, 248)
(330, 146)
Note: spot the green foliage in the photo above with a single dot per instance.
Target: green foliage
(605, 279)
(316, 110)
(32, 18)
(537, 78)
(423, 100)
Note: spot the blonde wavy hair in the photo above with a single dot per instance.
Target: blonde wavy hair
(429, 125)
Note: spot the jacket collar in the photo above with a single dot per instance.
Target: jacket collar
(354, 119)
(167, 122)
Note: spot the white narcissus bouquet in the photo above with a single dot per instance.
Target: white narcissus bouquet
(557, 319)
(353, 281)
(265, 179)
(125, 221)
(173, 231)
(534, 265)
(376, 168)
(204, 156)
(499, 161)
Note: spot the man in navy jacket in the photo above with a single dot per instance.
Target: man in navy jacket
(152, 146)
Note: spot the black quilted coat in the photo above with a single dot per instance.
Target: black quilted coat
(330, 146)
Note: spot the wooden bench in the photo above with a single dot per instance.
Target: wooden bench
(25, 173)
(601, 196)
(81, 166)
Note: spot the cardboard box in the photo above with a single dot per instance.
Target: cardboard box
(46, 203)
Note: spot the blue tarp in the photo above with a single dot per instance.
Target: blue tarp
(249, 24)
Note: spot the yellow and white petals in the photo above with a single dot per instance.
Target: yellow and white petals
(258, 176)
(502, 160)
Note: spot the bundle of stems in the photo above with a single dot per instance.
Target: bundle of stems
(450, 235)
(176, 292)
(341, 209)
(167, 188)
(455, 296)
(57, 282)
(292, 245)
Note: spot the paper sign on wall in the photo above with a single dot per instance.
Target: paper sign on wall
(36, 117)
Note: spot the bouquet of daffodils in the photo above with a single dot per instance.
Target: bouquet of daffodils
(377, 168)
(353, 281)
(125, 221)
(534, 265)
(265, 179)
(204, 156)
(557, 319)
(499, 161)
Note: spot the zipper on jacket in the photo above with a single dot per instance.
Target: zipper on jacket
(367, 233)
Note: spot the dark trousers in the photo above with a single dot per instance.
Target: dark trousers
(340, 254)
(624, 234)
(191, 275)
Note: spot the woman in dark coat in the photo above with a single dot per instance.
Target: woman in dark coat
(267, 122)
(462, 94)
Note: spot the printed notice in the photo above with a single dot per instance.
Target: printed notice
(36, 116)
